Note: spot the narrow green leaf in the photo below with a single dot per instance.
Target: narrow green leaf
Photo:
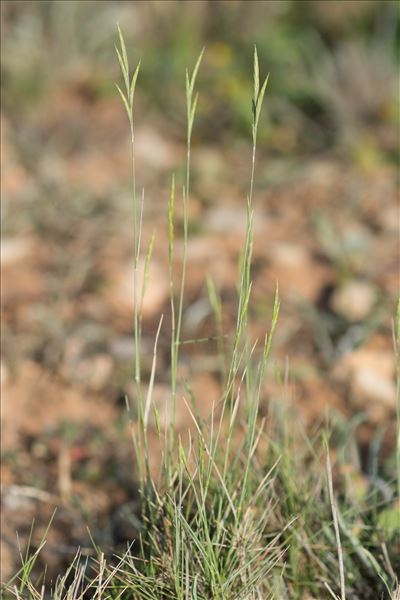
(195, 71)
(123, 48)
(245, 303)
(192, 114)
(260, 99)
(254, 109)
(124, 100)
(133, 84)
(215, 300)
(147, 263)
(256, 76)
(274, 321)
(124, 69)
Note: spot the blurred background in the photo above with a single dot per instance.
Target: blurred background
(326, 228)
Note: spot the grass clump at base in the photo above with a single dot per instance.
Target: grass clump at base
(246, 509)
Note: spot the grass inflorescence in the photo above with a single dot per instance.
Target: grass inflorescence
(248, 507)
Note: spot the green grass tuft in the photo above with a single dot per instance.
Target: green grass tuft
(249, 507)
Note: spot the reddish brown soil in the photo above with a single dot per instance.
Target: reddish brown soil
(320, 226)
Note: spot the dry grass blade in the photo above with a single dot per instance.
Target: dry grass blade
(336, 525)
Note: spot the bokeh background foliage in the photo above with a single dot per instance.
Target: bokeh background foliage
(332, 64)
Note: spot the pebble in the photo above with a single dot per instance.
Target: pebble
(14, 250)
(154, 149)
(289, 255)
(300, 277)
(157, 290)
(4, 375)
(354, 300)
(370, 378)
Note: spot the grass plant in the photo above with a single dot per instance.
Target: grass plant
(249, 508)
